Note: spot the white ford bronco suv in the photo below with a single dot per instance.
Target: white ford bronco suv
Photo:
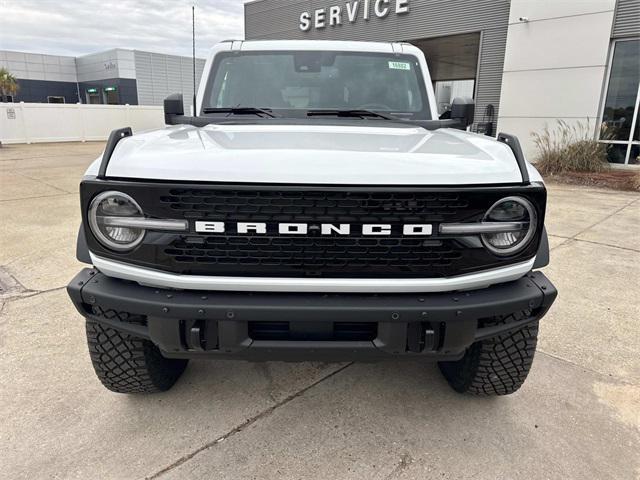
(312, 207)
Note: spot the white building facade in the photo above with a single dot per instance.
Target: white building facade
(527, 63)
(112, 77)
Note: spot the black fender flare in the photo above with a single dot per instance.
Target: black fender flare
(82, 250)
(542, 256)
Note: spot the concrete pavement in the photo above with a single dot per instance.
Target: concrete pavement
(577, 416)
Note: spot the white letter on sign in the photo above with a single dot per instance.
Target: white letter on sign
(256, 227)
(342, 229)
(381, 12)
(319, 17)
(402, 6)
(352, 11)
(293, 228)
(334, 15)
(421, 229)
(210, 227)
(305, 21)
(376, 229)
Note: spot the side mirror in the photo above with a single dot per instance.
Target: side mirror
(463, 110)
(173, 107)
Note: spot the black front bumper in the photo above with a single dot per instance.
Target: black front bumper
(309, 326)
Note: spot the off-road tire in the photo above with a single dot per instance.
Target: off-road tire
(496, 366)
(128, 364)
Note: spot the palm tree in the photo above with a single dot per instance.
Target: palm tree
(8, 84)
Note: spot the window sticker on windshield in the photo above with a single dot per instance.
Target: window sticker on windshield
(400, 65)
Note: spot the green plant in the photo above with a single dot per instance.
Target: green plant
(570, 148)
(8, 84)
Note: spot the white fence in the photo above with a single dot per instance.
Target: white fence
(51, 122)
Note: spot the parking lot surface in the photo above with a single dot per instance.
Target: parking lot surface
(576, 417)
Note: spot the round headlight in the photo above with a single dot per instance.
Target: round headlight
(106, 211)
(517, 211)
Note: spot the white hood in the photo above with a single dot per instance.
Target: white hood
(314, 154)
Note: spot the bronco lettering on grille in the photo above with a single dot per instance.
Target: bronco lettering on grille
(260, 228)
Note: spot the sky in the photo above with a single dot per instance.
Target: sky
(78, 27)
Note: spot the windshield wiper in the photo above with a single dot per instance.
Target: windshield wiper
(349, 113)
(242, 111)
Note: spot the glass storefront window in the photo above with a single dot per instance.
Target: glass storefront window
(447, 90)
(623, 89)
(634, 154)
(636, 133)
(620, 112)
(616, 153)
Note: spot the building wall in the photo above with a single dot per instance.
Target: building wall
(555, 65)
(116, 63)
(160, 75)
(127, 89)
(33, 66)
(39, 90)
(41, 75)
(111, 68)
(144, 78)
(627, 19)
(278, 19)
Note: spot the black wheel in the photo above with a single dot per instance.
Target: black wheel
(127, 364)
(497, 366)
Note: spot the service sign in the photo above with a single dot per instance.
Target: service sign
(350, 12)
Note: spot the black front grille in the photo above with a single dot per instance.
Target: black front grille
(312, 255)
(314, 206)
(319, 256)
(315, 255)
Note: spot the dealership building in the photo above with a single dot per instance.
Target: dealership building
(113, 77)
(526, 63)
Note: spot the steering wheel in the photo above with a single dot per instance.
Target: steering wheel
(374, 107)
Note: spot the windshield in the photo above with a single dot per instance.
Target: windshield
(293, 83)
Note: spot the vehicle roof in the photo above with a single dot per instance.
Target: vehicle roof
(323, 45)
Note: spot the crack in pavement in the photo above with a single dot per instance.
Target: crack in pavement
(583, 367)
(22, 174)
(615, 212)
(565, 242)
(35, 293)
(48, 156)
(247, 423)
(593, 242)
(10, 286)
(405, 462)
(12, 290)
(575, 236)
(38, 196)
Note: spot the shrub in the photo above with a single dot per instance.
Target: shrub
(570, 148)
